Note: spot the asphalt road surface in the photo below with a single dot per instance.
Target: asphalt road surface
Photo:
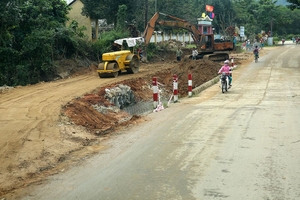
(243, 144)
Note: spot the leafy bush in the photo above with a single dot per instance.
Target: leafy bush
(276, 39)
(34, 33)
(290, 36)
(39, 48)
(152, 49)
(22, 75)
(9, 58)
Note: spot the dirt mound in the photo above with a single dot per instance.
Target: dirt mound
(81, 112)
(201, 70)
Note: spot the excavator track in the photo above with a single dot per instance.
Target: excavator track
(216, 57)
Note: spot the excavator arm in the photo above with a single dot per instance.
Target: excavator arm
(150, 28)
(196, 35)
(177, 22)
(204, 42)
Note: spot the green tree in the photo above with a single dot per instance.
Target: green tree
(33, 34)
(9, 20)
(225, 14)
(294, 27)
(282, 20)
(247, 15)
(95, 10)
(295, 4)
(108, 9)
(121, 15)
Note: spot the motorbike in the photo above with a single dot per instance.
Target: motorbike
(282, 41)
(256, 57)
(224, 82)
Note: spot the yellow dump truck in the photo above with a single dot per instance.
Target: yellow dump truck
(116, 62)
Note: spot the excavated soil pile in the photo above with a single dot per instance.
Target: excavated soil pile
(81, 112)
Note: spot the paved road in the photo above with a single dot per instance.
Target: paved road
(243, 144)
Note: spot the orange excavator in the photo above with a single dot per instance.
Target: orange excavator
(208, 48)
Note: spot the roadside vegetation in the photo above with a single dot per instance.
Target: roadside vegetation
(33, 35)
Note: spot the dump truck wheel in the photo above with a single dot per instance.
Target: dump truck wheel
(134, 64)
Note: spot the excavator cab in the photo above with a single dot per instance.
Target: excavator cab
(207, 43)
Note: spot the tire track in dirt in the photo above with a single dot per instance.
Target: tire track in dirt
(33, 141)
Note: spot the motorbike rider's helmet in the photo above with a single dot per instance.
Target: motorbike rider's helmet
(226, 62)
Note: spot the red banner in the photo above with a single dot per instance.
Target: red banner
(209, 8)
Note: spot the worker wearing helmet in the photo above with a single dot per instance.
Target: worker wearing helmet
(227, 69)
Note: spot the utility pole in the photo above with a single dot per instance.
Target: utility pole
(271, 34)
(271, 27)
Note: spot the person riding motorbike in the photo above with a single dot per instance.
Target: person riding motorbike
(282, 40)
(256, 52)
(227, 69)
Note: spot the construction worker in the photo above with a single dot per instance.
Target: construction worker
(194, 54)
(179, 54)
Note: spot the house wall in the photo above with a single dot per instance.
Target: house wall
(75, 14)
